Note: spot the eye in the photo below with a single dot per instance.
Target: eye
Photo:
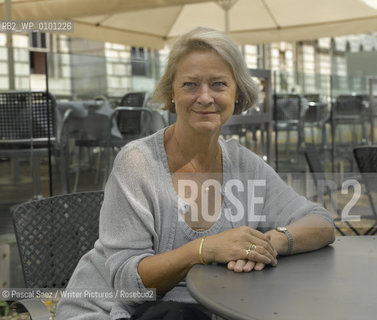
(189, 84)
(219, 84)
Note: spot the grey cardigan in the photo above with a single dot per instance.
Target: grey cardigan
(140, 212)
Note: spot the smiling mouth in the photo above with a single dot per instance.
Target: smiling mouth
(205, 112)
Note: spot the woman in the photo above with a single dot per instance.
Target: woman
(185, 196)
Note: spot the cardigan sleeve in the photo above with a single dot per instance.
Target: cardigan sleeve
(127, 231)
(282, 205)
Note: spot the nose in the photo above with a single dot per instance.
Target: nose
(205, 95)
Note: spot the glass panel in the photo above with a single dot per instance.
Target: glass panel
(76, 81)
(113, 75)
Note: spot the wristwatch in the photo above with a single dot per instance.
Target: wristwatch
(289, 236)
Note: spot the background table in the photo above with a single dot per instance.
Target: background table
(85, 114)
(336, 282)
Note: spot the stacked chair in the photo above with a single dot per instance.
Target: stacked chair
(288, 116)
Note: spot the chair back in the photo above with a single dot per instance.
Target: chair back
(52, 234)
(133, 122)
(317, 112)
(349, 105)
(366, 160)
(130, 122)
(313, 97)
(288, 107)
(314, 163)
(26, 116)
(134, 99)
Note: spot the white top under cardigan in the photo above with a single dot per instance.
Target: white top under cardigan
(139, 218)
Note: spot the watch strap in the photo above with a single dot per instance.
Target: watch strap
(290, 241)
(289, 236)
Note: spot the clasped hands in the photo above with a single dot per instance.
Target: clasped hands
(243, 249)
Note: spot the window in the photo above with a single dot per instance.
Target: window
(139, 61)
(39, 41)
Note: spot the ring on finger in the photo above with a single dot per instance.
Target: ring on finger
(252, 247)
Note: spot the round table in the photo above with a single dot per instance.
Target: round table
(336, 282)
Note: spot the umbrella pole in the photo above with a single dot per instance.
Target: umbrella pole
(226, 5)
(226, 11)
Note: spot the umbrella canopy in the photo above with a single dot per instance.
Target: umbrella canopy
(153, 23)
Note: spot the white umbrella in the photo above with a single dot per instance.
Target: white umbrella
(152, 23)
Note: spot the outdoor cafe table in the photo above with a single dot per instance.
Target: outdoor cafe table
(84, 115)
(336, 282)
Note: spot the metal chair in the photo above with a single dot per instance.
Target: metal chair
(132, 117)
(27, 128)
(130, 121)
(135, 99)
(289, 116)
(316, 116)
(322, 185)
(133, 120)
(240, 125)
(52, 235)
(366, 159)
(349, 110)
(133, 123)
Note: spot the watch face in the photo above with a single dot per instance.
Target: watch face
(281, 229)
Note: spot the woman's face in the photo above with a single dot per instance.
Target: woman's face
(204, 91)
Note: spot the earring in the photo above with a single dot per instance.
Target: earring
(172, 106)
(236, 107)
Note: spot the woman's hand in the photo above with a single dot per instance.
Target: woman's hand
(232, 245)
(245, 266)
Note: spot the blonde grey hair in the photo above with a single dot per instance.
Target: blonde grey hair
(207, 39)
